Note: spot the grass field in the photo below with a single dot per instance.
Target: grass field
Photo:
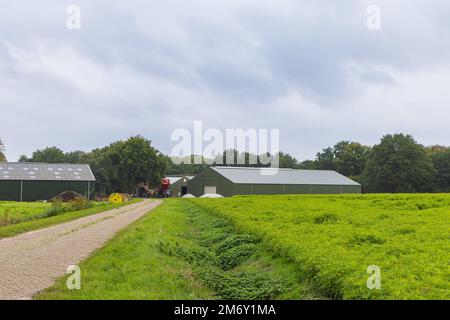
(332, 240)
(180, 251)
(276, 247)
(20, 217)
(14, 212)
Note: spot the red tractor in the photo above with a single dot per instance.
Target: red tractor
(163, 190)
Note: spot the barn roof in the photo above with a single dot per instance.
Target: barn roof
(45, 171)
(283, 176)
(176, 179)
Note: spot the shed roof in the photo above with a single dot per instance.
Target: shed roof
(176, 179)
(45, 171)
(283, 176)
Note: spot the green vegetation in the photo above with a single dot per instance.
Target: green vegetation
(132, 266)
(15, 212)
(118, 167)
(332, 240)
(20, 217)
(275, 247)
(399, 164)
(181, 251)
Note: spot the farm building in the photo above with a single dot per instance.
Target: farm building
(40, 181)
(229, 181)
(178, 185)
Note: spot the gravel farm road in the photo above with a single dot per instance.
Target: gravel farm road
(32, 261)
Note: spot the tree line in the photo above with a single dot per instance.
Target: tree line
(117, 167)
(397, 163)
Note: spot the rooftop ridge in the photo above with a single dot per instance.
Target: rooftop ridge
(45, 163)
(270, 168)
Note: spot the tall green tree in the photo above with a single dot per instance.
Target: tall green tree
(288, 161)
(440, 156)
(346, 157)
(177, 166)
(325, 159)
(23, 158)
(398, 164)
(351, 158)
(136, 160)
(307, 165)
(105, 172)
(74, 156)
(2, 152)
(48, 155)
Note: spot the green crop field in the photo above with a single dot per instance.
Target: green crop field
(332, 240)
(276, 247)
(19, 217)
(14, 212)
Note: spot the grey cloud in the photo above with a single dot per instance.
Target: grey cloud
(311, 69)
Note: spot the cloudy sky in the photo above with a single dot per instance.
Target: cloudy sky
(309, 68)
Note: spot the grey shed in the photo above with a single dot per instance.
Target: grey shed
(41, 181)
(229, 181)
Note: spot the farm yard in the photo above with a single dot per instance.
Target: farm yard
(276, 247)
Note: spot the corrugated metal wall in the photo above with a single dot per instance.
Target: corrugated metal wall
(293, 189)
(210, 177)
(9, 190)
(226, 188)
(176, 187)
(42, 190)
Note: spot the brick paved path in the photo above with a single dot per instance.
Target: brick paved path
(33, 261)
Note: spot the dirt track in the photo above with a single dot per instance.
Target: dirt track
(33, 261)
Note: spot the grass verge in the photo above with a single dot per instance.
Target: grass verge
(181, 251)
(31, 225)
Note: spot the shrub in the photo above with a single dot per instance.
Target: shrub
(56, 209)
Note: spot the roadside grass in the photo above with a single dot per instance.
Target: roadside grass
(331, 240)
(181, 251)
(132, 266)
(39, 215)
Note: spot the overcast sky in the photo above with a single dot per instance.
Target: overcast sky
(309, 68)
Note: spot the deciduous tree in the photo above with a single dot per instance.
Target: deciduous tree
(398, 164)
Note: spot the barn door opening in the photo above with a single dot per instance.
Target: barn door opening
(210, 189)
(183, 191)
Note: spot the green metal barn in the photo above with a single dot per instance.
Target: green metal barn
(229, 181)
(178, 185)
(40, 181)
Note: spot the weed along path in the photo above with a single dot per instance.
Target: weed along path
(33, 261)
